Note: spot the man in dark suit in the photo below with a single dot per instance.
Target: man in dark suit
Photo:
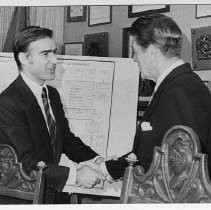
(180, 97)
(32, 119)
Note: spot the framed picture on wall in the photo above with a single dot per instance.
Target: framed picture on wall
(203, 10)
(96, 44)
(127, 51)
(99, 15)
(76, 13)
(74, 48)
(201, 45)
(140, 10)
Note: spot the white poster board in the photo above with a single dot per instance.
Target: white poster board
(100, 98)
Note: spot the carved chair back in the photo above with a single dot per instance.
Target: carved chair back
(178, 172)
(15, 185)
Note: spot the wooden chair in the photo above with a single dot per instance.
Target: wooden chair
(15, 185)
(178, 173)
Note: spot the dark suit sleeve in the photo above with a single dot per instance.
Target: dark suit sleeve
(73, 146)
(116, 168)
(14, 130)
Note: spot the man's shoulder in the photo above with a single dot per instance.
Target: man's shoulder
(10, 89)
(12, 92)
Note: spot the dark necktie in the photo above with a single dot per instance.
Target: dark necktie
(50, 121)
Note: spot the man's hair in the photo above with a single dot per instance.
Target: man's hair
(160, 30)
(27, 36)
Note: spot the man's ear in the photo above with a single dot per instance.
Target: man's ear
(152, 52)
(24, 58)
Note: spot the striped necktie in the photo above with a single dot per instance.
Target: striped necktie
(50, 121)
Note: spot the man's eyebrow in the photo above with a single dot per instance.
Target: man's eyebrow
(48, 51)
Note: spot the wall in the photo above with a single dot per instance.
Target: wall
(51, 17)
(5, 18)
(75, 31)
(184, 15)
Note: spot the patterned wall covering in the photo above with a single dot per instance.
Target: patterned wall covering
(50, 17)
(5, 18)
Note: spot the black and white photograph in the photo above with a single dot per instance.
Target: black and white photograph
(105, 103)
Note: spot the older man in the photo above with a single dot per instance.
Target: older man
(180, 97)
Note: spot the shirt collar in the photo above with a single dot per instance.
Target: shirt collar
(35, 88)
(166, 72)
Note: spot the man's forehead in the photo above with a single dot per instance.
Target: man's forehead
(44, 44)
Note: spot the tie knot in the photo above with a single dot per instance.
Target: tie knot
(44, 93)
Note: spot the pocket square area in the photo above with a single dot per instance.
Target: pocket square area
(145, 126)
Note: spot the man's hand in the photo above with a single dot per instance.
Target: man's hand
(88, 177)
(92, 165)
(96, 166)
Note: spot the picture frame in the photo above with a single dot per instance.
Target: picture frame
(96, 44)
(201, 45)
(140, 10)
(76, 13)
(127, 51)
(99, 15)
(203, 10)
(74, 48)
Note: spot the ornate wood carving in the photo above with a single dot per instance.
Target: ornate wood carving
(12, 175)
(178, 173)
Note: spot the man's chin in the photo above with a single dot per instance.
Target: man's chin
(51, 77)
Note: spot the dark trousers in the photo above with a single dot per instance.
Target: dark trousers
(52, 196)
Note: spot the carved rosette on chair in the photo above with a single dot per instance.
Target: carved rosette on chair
(178, 173)
(14, 181)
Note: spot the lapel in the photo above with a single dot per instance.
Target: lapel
(178, 71)
(34, 113)
(53, 103)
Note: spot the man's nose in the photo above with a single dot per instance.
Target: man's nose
(53, 58)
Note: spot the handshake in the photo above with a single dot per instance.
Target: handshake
(89, 173)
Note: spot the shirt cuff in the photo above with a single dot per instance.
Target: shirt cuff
(105, 172)
(95, 158)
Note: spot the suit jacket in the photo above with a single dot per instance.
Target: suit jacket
(181, 99)
(22, 125)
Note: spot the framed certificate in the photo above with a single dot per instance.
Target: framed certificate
(203, 10)
(99, 15)
(74, 48)
(76, 13)
(140, 10)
